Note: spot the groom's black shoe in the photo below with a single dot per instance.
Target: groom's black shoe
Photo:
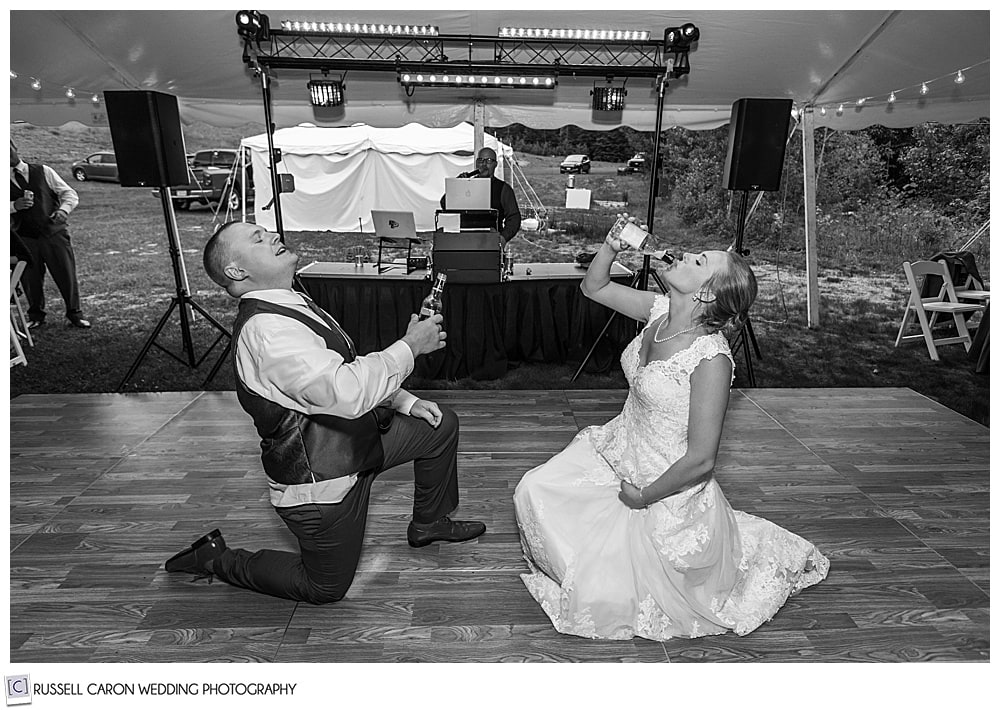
(194, 558)
(443, 530)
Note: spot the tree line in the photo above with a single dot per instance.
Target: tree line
(935, 170)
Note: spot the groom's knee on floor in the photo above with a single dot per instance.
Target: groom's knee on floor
(315, 594)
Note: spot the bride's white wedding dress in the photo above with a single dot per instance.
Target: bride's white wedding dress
(688, 565)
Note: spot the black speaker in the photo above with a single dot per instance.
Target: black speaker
(146, 133)
(758, 130)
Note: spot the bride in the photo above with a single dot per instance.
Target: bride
(626, 531)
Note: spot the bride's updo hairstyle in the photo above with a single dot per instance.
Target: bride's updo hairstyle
(735, 290)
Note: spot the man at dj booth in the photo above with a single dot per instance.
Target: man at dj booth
(502, 197)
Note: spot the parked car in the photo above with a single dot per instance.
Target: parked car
(636, 164)
(214, 179)
(575, 164)
(98, 166)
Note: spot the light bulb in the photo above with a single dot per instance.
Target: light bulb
(822, 110)
(36, 84)
(960, 77)
(892, 97)
(861, 101)
(70, 93)
(13, 74)
(95, 99)
(924, 89)
(840, 110)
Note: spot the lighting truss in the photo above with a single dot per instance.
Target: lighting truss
(403, 48)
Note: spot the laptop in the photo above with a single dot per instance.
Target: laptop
(390, 224)
(466, 193)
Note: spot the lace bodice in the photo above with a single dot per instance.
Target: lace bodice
(651, 431)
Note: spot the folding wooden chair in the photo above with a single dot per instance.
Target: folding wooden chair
(972, 290)
(946, 301)
(18, 321)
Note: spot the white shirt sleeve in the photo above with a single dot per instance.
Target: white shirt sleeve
(68, 199)
(286, 362)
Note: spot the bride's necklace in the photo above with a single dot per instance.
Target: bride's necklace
(670, 337)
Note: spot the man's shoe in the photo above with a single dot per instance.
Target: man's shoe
(78, 322)
(443, 530)
(193, 559)
(35, 324)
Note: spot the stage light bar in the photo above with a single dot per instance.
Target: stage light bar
(326, 93)
(356, 28)
(608, 98)
(585, 35)
(482, 81)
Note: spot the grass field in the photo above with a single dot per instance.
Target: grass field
(126, 284)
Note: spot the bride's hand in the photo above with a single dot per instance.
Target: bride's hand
(630, 496)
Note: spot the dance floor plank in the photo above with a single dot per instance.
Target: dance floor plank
(893, 487)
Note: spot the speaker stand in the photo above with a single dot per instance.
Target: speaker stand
(641, 278)
(185, 302)
(745, 338)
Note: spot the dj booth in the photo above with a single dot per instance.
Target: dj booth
(538, 314)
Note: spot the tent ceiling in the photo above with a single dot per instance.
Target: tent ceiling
(826, 58)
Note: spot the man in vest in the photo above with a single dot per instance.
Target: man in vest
(329, 420)
(40, 203)
(502, 197)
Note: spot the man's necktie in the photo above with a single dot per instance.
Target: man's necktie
(330, 322)
(19, 179)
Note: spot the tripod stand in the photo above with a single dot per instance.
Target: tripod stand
(746, 336)
(185, 302)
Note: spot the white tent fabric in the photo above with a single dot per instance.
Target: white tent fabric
(825, 58)
(342, 174)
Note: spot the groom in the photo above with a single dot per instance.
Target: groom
(329, 420)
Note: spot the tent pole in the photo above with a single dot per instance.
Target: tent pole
(479, 125)
(654, 175)
(809, 200)
(265, 85)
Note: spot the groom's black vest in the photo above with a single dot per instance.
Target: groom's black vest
(301, 448)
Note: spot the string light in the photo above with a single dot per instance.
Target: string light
(68, 91)
(822, 110)
(923, 88)
(840, 110)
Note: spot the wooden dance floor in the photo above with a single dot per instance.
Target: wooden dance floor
(891, 486)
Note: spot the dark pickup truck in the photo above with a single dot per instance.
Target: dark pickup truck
(214, 178)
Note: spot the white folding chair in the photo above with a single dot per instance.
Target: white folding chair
(972, 290)
(945, 301)
(18, 321)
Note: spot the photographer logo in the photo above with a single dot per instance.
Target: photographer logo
(18, 689)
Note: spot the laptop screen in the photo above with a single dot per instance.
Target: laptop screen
(467, 194)
(390, 223)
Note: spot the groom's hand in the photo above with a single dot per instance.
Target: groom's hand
(424, 336)
(426, 410)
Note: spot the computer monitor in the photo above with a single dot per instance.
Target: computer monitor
(466, 193)
(390, 224)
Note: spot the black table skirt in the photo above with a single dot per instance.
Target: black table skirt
(489, 326)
